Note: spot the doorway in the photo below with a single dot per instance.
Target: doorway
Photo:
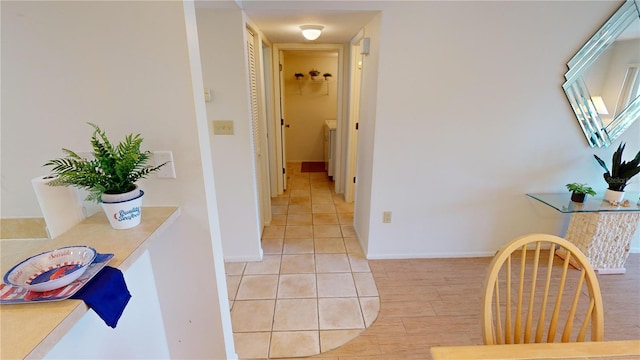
(304, 105)
(310, 107)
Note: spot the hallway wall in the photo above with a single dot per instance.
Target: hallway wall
(225, 72)
(469, 115)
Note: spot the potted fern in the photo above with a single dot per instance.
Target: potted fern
(620, 174)
(110, 176)
(579, 191)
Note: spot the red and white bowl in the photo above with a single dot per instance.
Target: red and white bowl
(52, 269)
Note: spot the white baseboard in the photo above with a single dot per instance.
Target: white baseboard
(614, 271)
(429, 255)
(444, 255)
(242, 258)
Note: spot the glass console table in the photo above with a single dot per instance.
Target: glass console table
(603, 232)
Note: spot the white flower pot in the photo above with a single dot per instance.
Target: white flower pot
(112, 198)
(613, 196)
(124, 214)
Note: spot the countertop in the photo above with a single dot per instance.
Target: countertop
(31, 330)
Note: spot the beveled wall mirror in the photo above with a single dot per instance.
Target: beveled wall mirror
(603, 80)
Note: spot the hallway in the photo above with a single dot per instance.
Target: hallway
(314, 290)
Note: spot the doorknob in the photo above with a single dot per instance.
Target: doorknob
(287, 125)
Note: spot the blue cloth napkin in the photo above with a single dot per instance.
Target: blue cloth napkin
(106, 294)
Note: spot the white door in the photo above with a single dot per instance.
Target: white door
(277, 164)
(354, 118)
(257, 135)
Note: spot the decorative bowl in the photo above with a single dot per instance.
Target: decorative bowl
(51, 269)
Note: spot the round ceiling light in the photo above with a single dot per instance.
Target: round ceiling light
(311, 32)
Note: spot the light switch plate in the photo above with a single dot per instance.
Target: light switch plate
(168, 171)
(223, 127)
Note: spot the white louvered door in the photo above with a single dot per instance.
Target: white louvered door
(262, 182)
(255, 124)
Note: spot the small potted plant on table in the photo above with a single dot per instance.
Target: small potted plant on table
(579, 192)
(110, 176)
(620, 174)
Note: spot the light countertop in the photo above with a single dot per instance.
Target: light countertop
(31, 330)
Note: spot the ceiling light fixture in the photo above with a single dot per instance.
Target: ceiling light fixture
(311, 32)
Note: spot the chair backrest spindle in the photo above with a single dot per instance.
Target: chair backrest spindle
(534, 281)
(523, 270)
(507, 325)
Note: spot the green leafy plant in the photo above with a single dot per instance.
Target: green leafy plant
(581, 189)
(112, 170)
(621, 171)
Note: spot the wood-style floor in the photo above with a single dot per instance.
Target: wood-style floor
(432, 302)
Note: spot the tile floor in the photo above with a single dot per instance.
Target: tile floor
(314, 290)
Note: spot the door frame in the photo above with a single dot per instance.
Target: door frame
(276, 143)
(266, 61)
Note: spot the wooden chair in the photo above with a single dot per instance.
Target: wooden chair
(529, 293)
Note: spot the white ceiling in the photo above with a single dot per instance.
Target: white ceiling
(280, 20)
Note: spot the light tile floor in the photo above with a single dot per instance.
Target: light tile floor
(314, 290)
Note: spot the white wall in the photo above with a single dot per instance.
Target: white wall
(366, 133)
(469, 115)
(222, 46)
(124, 66)
(308, 103)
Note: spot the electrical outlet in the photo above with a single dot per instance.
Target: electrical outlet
(223, 127)
(168, 171)
(386, 217)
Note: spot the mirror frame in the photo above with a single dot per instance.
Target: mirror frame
(575, 87)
